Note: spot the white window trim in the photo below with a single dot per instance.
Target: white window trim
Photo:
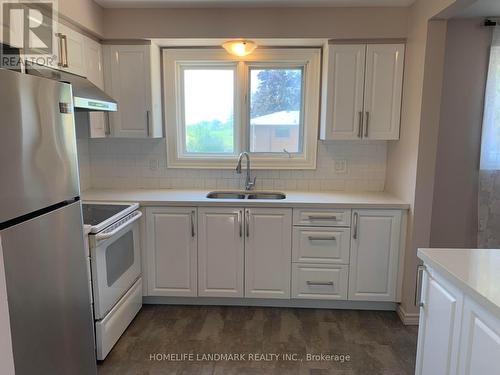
(310, 58)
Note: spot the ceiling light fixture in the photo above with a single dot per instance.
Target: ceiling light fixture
(239, 47)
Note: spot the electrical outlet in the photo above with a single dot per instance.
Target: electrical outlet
(340, 166)
(154, 164)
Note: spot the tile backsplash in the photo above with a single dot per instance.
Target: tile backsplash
(141, 163)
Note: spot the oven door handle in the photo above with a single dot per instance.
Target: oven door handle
(102, 236)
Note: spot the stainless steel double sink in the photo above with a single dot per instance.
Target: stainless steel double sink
(246, 195)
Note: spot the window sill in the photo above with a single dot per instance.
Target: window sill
(256, 163)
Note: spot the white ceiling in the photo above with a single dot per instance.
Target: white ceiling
(483, 8)
(249, 3)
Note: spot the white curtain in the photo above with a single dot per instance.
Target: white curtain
(490, 140)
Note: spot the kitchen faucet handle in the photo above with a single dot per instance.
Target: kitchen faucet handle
(252, 184)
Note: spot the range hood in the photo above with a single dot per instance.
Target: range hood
(86, 95)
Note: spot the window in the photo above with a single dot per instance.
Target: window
(490, 140)
(218, 106)
(208, 110)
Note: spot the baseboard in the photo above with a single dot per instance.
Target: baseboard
(408, 319)
(311, 304)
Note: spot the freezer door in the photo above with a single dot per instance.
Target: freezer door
(48, 295)
(38, 162)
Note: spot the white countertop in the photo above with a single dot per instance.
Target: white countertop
(475, 271)
(152, 197)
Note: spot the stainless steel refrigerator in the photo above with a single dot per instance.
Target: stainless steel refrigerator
(41, 229)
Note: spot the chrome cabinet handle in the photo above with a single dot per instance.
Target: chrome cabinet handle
(148, 129)
(355, 231)
(367, 123)
(64, 50)
(322, 217)
(59, 49)
(360, 124)
(240, 223)
(193, 233)
(247, 222)
(418, 286)
(319, 283)
(313, 238)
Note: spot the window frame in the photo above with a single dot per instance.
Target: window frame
(307, 58)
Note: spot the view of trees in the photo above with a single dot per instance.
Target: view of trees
(210, 137)
(278, 90)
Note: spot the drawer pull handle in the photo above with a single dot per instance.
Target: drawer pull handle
(312, 238)
(312, 217)
(319, 283)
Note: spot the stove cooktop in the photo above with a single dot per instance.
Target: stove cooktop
(94, 214)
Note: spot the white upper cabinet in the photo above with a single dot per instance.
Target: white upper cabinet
(343, 102)
(132, 78)
(93, 62)
(171, 251)
(220, 252)
(268, 252)
(439, 327)
(374, 259)
(383, 89)
(95, 74)
(72, 50)
(362, 88)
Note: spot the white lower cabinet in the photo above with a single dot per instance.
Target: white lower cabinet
(220, 252)
(374, 260)
(268, 252)
(439, 327)
(319, 281)
(457, 335)
(274, 253)
(480, 342)
(321, 245)
(171, 251)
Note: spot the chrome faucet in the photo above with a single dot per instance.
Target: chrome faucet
(249, 184)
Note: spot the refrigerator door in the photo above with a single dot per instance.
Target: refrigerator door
(38, 161)
(48, 294)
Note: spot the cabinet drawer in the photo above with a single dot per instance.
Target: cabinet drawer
(321, 218)
(321, 245)
(319, 281)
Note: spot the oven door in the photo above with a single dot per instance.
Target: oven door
(116, 263)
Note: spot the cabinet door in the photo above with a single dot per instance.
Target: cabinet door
(480, 342)
(73, 50)
(171, 251)
(375, 247)
(220, 252)
(439, 327)
(128, 81)
(345, 80)
(383, 88)
(94, 71)
(268, 252)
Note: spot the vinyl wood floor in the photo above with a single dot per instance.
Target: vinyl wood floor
(377, 342)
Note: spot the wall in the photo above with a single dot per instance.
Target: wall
(342, 23)
(457, 160)
(85, 14)
(127, 163)
(402, 156)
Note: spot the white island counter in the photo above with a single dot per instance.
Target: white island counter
(460, 312)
